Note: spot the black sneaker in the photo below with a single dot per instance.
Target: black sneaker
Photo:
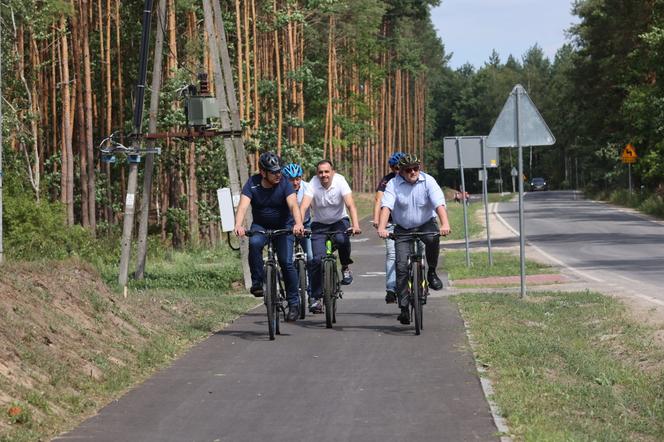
(348, 276)
(434, 281)
(404, 316)
(293, 313)
(256, 290)
(390, 297)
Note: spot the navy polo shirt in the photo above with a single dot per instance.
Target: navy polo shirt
(268, 206)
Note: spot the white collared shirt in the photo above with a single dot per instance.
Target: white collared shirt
(328, 205)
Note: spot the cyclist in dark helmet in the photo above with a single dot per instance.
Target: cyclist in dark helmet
(390, 274)
(273, 206)
(414, 199)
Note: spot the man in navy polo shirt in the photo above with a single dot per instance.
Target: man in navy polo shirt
(273, 206)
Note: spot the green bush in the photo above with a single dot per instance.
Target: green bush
(37, 231)
(653, 205)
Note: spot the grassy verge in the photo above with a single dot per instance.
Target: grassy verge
(455, 216)
(648, 203)
(569, 366)
(364, 202)
(504, 264)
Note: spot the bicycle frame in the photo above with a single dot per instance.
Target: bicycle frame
(417, 282)
(274, 295)
(330, 274)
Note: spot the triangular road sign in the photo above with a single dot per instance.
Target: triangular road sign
(533, 130)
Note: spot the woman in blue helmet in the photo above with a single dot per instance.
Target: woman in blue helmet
(293, 172)
(390, 255)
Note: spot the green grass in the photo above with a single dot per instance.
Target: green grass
(645, 202)
(455, 216)
(569, 367)
(504, 264)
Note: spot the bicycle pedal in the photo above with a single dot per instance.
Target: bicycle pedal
(340, 295)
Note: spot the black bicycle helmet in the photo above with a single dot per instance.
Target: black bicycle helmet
(408, 159)
(270, 162)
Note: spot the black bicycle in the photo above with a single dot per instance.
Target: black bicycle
(417, 283)
(300, 262)
(330, 273)
(274, 295)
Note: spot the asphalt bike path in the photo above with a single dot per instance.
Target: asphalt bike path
(601, 243)
(367, 379)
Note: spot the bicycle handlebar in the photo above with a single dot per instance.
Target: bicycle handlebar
(414, 235)
(269, 233)
(330, 234)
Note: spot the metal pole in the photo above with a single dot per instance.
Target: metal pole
(463, 199)
(149, 158)
(128, 223)
(629, 173)
(486, 200)
(522, 234)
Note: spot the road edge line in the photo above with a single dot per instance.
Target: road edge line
(539, 250)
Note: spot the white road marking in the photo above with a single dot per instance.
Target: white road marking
(628, 279)
(359, 240)
(548, 256)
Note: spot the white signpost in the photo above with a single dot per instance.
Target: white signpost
(471, 152)
(520, 124)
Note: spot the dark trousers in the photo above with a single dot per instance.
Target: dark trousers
(318, 237)
(405, 246)
(283, 246)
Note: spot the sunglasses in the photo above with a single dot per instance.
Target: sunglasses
(411, 169)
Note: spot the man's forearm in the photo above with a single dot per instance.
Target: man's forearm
(384, 216)
(376, 211)
(442, 215)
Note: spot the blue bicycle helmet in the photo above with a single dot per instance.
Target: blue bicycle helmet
(292, 170)
(394, 159)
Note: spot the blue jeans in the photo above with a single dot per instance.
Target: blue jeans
(318, 243)
(283, 246)
(390, 268)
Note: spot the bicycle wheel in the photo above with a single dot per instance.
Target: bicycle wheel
(269, 298)
(335, 297)
(302, 274)
(416, 296)
(278, 302)
(328, 290)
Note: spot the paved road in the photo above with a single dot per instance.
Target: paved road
(368, 379)
(598, 241)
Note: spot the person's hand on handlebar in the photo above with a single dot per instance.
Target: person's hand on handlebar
(445, 229)
(298, 229)
(356, 229)
(383, 233)
(240, 231)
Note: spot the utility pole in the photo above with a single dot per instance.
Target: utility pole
(231, 131)
(238, 143)
(149, 158)
(130, 205)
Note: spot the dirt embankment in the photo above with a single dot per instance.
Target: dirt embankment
(68, 344)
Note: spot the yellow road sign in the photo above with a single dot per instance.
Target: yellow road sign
(628, 154)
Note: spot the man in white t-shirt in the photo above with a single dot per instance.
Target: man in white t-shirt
(329, 195)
